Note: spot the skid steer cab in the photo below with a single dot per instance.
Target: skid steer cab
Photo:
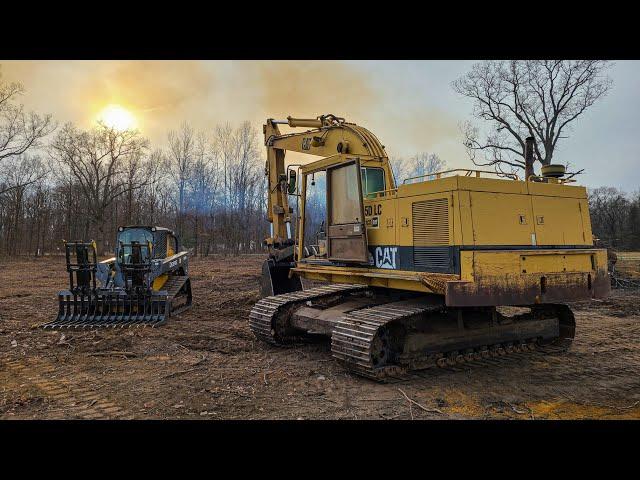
(142, 285)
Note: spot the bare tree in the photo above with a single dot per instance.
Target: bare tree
(202, 186)
(228, 142)
(154, 197)
(20, 131)
(180, 155)
(609, 210)
(420, 165)
(203, 181)
(238, 152)
(100, 161)
(18, 174)
(139, 171)
(527, 98)
(245, 174)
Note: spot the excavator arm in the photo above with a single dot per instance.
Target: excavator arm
(326, 136)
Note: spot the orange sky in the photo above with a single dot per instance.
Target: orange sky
(162, 94)
(409, 105)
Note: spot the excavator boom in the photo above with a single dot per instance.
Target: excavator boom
(329, 136)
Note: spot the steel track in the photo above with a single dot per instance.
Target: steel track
(354, 336)
(352, 344)
(263, 314)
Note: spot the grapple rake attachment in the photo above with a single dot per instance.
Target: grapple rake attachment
(85, 305)
(111, 310)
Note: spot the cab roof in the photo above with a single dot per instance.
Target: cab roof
(146, 227)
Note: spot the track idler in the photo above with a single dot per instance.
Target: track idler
(566, 323)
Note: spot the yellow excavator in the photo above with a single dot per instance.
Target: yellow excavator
(443, 269)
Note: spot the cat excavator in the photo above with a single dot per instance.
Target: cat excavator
(443, 269)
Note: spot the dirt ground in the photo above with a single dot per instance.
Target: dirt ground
(206, 364)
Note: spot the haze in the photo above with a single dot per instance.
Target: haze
(409, 105)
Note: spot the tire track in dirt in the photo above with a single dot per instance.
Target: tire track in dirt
(78, 400)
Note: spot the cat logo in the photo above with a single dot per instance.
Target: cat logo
(386, 257)
(306, 143)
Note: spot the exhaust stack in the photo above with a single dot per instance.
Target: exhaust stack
(528, 158)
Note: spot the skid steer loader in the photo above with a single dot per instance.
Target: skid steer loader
(447, 268)
(145, 283)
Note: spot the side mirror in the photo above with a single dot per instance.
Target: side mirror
(292, 182)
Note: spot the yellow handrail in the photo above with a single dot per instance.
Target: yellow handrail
(381, 193)
(468, 173)
(553, 179)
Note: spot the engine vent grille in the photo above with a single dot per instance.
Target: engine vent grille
(431, 223)
(433, 259)
(431, 235)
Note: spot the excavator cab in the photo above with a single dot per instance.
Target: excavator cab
(316, 199)
(332, 227)
(343, 213)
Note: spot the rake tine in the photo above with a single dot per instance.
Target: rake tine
(79, 319)
(111, 316)
(77, 312)
(75, 308)
(82, 310)
(127, 307)
(121, 315)
(96, 317)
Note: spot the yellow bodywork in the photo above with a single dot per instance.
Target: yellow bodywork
(487, 212)
(159, 282)
(492, 221)
(507, 241)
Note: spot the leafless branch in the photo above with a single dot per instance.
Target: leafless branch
(518, 98)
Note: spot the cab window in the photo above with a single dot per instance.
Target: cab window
(372, 181)
(126, 237)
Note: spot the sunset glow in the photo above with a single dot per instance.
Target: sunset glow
(117, 117)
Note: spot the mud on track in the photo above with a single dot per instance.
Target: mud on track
(206, 364)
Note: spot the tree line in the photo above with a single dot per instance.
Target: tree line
(615, 217)
(84, 184)
(63, 182)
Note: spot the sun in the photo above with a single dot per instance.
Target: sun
(117, 117)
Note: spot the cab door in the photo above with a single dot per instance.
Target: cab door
(346, 232)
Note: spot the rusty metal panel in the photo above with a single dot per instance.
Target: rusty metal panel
(528, 289)
(345, 243)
